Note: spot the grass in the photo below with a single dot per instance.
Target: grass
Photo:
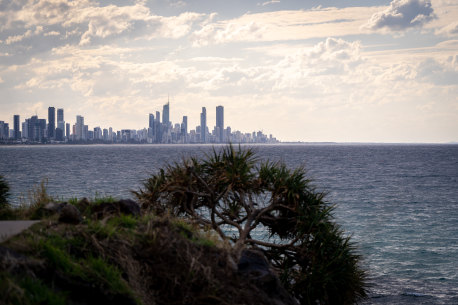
(194, 233)
(169, 255)
(28, 291)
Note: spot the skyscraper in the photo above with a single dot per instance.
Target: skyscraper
(166, 115)
(184, 129)
(17, 132)
(60, 115)
(203, 125)
(60, 130)
(158, 129)
(67, 130)
(220, 123)
(151, 121)
(151, 128)
(4, 130)
(51, 122)
(185, 125)
(79, 127)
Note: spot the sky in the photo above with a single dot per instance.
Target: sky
(313, 71)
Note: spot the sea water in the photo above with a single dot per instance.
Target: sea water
(398, 202)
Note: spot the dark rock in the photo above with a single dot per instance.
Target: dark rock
(70, 214)
(129, 207)
(53, 208)
(254, 265)
(17, 263)
(83, 204)
(124, 206)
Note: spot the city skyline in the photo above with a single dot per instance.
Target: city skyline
(312, 71)
(157, 131)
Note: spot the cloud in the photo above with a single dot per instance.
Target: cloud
(401, 15)
(91, 22)
(450, 30)
(52, 33)
(27, 34)
(330, 59)
(439, 73)
(229, 32)
(178, 4)
(284, 25)
(268, 2)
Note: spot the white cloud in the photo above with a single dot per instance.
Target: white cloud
(229, 32)
(439, 73)
(401, 15)
(18, 38)
(450, 30)
(285, 25)
(178, 4)
(52, 33)
(269, 2)
(93, 23)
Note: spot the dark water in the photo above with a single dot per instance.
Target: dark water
(400, 202)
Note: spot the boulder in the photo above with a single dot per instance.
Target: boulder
(83, 204)
(70, 214)
(254, 265)
(129, 207)
(52, 208)
(123, 206)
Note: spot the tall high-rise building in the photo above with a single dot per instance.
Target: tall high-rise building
(166, 114)
(60, 130)
(67, 131)
(158, 116)
(184, 127)
(151, 120)
(4, 130)
(51, 122)
(157, 127)
(105, 134)
(79, 127)
(220, 123)
(60, 115)
(17, 132)
(203, 125)
(35, 128)
(25, 129)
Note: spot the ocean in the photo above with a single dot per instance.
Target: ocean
(398, 202)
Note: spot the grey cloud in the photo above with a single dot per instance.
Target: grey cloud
(37, 26)
(402, 15)
(442, 74)
(449, 30)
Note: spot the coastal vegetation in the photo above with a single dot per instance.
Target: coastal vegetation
(266, 206)
(224, 229)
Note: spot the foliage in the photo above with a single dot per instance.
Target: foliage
(233, 193)
(121, 260)
(6, 211)
(4, 193)
(28, 291)
(37, 198)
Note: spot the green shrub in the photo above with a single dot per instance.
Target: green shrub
(28, 291)
(231, 191)
(4, 193)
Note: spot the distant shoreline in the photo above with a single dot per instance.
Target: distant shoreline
(219, 144)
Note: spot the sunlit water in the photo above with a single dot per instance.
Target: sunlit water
(400, 202)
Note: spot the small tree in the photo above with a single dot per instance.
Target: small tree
(4, 193)
(240, 198)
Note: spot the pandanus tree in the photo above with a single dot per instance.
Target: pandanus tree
(239, 197)
(4, 193)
